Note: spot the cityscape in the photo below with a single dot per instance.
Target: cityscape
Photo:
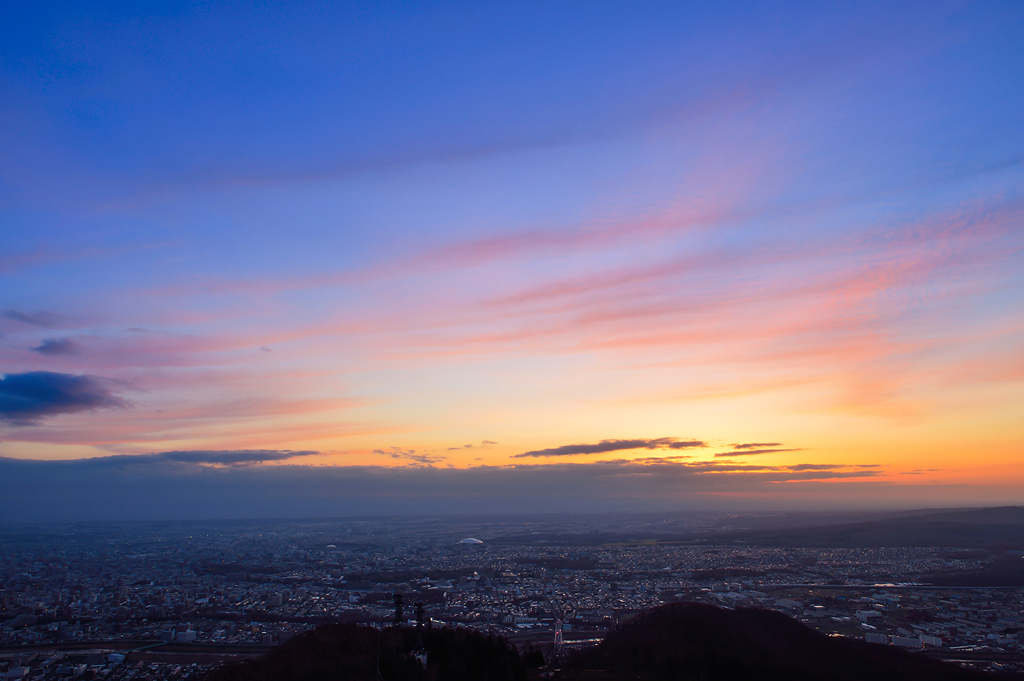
(512, 341)
(176, 600)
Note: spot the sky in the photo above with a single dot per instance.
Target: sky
(328, 258)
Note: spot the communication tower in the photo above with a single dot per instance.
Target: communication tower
(398, 610)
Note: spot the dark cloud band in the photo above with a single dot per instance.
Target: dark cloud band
(28, 398)
(613, 446)
(175, 485)
(228, 457)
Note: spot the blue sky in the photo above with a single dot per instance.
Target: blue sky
(407, 227)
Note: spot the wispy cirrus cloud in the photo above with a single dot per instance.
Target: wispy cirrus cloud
(58, 346)
(410, 455)
(837, 306)
(822, 467)
(40, 318)
(757, 448)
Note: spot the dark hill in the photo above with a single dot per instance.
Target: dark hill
(336, 652)
(691, 641)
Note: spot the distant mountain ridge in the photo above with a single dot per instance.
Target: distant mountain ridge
(1000, 527)
(987, 528)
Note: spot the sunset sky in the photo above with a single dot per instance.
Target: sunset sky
(340, 257)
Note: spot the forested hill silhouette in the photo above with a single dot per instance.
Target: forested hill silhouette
(675, 642)
(692, 641)
(336, 652)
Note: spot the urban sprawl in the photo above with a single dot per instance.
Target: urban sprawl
(125, 602)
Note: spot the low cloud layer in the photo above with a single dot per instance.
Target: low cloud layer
(234, 484)
(28, 398)
(613, 446)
